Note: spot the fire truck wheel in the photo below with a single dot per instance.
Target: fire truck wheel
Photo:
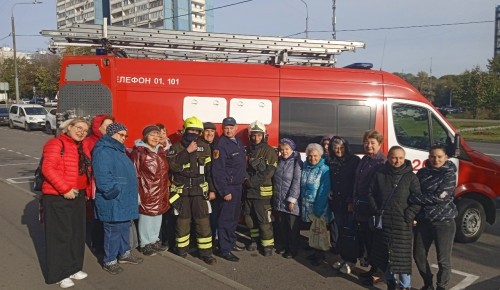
(471, 221)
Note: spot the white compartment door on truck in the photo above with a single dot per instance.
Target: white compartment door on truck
(416, 127)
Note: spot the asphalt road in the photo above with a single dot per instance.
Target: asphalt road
(475, 266)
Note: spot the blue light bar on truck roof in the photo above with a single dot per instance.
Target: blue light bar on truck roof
(360, 65)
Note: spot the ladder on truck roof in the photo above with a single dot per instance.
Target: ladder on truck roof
(190, 45)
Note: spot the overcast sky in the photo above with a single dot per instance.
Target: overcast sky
(449, 49)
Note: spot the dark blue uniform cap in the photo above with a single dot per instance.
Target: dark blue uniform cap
(229, 121)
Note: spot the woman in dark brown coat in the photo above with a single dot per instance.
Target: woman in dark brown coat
(388, 194)
(150, 161)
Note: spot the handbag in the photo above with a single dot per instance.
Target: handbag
(318, 234)
(348, 242)
(39, 178)
(375, 222)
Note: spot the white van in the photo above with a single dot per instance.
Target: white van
(27, 116)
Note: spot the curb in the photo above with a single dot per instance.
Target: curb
(205, 271)
(200, 269)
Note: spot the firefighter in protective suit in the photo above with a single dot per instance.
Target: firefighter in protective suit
(262, 162)
(190, 190)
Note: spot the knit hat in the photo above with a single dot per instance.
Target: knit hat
(114, 128)
(288, 142)
(149, 129)
(209, 125)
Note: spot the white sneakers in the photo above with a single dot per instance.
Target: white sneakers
(346, 269)
(66, 283)
(342, 266)
(79, 275)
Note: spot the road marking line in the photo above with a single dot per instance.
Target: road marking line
(466, 282)
(15, 164)
(13, 179)
(27, 155)
(19, 153)
(493, 155)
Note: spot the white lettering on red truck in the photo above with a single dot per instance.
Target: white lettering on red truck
(146, 80)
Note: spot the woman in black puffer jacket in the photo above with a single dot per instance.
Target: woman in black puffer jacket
(436, 219)
(388, 194)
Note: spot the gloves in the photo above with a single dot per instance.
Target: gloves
(258, 164)
(177, 204)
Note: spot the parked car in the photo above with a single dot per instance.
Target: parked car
(4, 116)
(51, 122)
(37, 100)
(51, 103)
(27, 116)
(25, 101)
(451, 109)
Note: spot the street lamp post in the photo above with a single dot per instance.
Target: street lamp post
(307, 18)
(16, 77)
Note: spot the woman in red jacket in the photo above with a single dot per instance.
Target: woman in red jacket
(66, 168)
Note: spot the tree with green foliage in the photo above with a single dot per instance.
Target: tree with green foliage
(474, 90)
(40, 71)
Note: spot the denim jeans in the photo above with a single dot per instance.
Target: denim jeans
(116, 240)
(442, 234)
(404, 279)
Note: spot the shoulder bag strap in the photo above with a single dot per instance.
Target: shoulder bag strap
(391, 194)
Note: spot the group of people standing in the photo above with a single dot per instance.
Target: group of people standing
(200, 186)
(392, 208)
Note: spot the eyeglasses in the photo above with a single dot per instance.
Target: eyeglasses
(125, 136)
(80, 128)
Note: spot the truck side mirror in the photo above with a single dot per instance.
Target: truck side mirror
(457, 145)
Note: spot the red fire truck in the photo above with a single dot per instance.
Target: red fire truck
(288, 84)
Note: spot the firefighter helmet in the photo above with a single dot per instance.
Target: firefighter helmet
(257, 127)
(193, 123)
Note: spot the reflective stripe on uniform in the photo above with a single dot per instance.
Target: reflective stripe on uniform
(204, 243)
(173, 198)
(254, 233)
(208, 160)
(204, 186)
(267, 243)
(266, 190)
(183, 242)
(187, 165)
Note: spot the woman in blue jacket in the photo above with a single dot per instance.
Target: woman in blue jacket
(286, 185)
(116, 197)
(314, 190)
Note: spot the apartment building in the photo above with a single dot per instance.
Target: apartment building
(70, 12)
(189, 15)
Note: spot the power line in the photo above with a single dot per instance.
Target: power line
(398, 27)
(10, 34)
(413, 26)
(215, 8)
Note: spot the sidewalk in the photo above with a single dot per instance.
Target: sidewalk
(22, 241)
